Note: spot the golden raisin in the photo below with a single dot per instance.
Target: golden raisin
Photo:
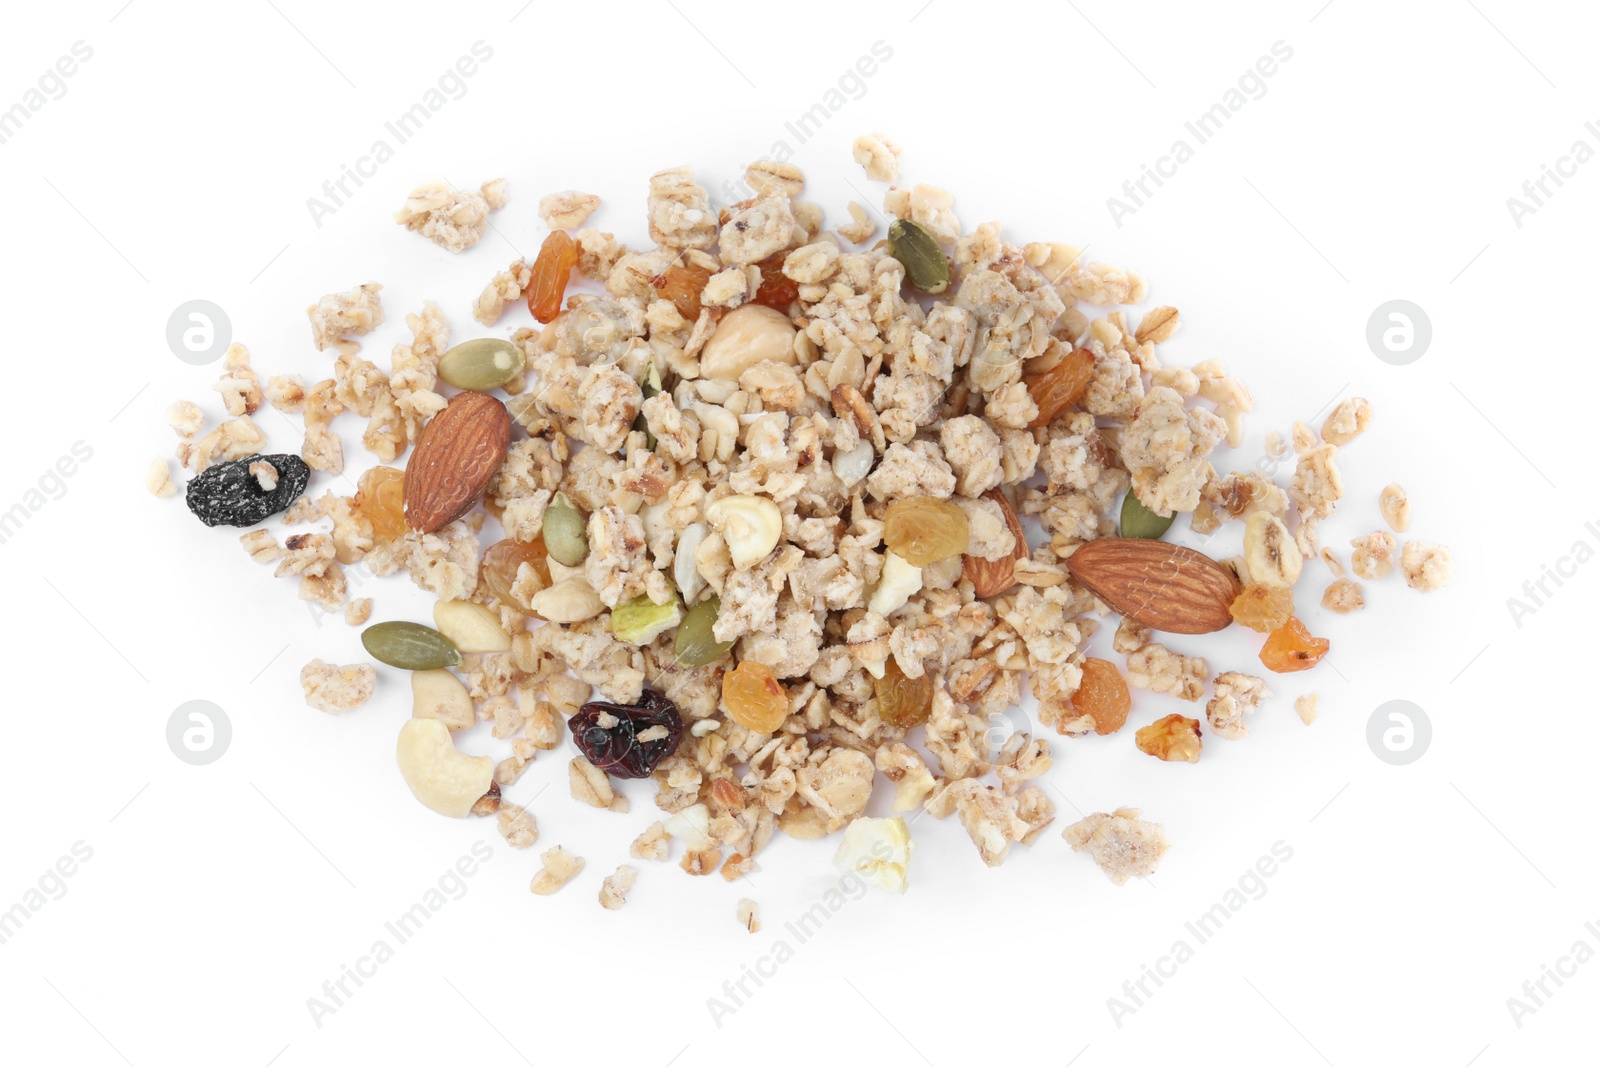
(682, 284)
(1103, 696)
(777, 289)
(1174, 738)
(903, 702)
(923, 530)
(380, 499)
(1292, 648)
(756, 700)
(557, 256)
(502, 565)
(1062, 386)
(1263, 608)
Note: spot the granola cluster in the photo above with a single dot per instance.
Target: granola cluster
(733, 461)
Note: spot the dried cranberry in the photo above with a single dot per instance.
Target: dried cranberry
(608, 734)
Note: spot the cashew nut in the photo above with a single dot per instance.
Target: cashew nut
(573, 600)
(751, 525)
(473, 627)
(443, 779)
(440, 695)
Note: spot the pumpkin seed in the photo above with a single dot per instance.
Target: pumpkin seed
(481, 364)
(410, 646)
(651, 386)
(912, 244)
(565, 532)
(696, 645)
(1140, 521)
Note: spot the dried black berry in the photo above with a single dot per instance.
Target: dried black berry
(229, 495)
(608, 734)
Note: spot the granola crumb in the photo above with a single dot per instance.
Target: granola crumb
(339, 316)
(1122, 844)
(1158, 669)
(749, 915)
(1395, 507)
(333, 689)
(451, 218)
(560, 867)
(1343, 596)
(614, 890)
(517, 825)
(1306, 707)
(878, 156)
(652, 844)
(1426, 566)
(1235, 696)
(158, 479)
(357, 612)
(1347, 421)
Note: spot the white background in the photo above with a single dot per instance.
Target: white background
(1376, 166)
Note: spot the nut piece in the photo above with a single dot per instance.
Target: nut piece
(1171, 738)
(573, 600)
(877, 851)
(900, 580)
(458, 453)
(1270, 555)
(1165, 587)
(560, 867)
(472, 627)
(438, 694)
(746, 336)
(750, 525)
(1396, 508)
(614, 890)
(444, 780)
(1124, 845)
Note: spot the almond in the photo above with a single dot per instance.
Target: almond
(1165, 587)
(458, 451)
(991, 577)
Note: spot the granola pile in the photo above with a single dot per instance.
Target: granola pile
(800, 508)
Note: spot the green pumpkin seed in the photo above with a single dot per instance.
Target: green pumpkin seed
(651, 386)
(918, 251)
(641, 620)
(695, 645)
(566, 533)
(410, 646)
(481, 364)
(1140, 521)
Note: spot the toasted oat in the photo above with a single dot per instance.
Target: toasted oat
(1395, 507)
(1347, 421)
(158, 479)
(357, 612)
(749, 915)
(338, 316)
(1236, 695)
(1426, 566)
(878, 156)
(334, 689)
(517, 825)
(614, 890)
(567, 210)
(1156, 668)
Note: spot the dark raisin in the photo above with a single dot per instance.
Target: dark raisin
(229, 495)
(608, 734)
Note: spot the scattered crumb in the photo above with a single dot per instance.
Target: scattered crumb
(560, 867)
(334, 689)
(614, 890)
(1124, 845)
(1306, 708)
(749, 913)
(357, 612)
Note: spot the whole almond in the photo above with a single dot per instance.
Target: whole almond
(991, 577)
(457, 453)
(1165, 587)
